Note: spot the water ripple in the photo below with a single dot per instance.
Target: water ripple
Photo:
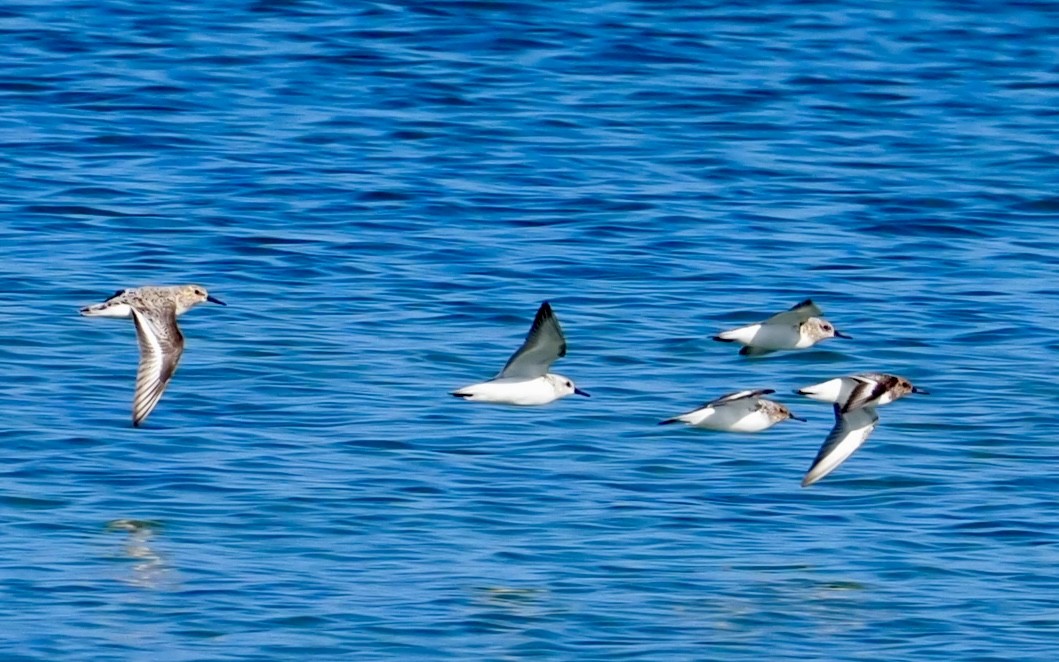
(385, 193)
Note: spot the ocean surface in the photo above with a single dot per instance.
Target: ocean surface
(384, 193)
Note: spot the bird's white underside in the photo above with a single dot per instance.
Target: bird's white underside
(835, 390)
(769, 336)
(537, 391)
(738, 418)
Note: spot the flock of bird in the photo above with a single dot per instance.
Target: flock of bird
(525, 378)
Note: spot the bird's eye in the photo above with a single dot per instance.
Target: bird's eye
(569, 383)
(827, 327)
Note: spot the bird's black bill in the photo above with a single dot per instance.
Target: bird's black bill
(839, 334)
(798, 418)
(213, 299)
(580, 392)
(916, 389)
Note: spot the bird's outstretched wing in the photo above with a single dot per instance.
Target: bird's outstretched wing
(161, 345)
(738, 395)
(849, 433)
(543, 345)
(796, 314)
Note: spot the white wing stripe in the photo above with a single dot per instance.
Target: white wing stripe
(150, 383)
(849, 433)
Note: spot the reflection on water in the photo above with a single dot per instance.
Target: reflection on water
(150, 568)
(512, 597)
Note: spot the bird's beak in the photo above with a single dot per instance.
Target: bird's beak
(916, 389)
(797, 418)
(213, 299)
(839, 334)
(580, 392)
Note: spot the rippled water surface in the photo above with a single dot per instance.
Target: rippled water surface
(384, 194)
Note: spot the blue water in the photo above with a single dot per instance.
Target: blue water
(384, 194)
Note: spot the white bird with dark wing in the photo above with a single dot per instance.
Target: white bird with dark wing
(154, 311)
(742, 411)
(855, 398)
(525, 379)
(797, 328)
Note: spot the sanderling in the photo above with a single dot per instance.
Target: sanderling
(797, 328)
(742, 411)
(855, 398)
(525, 379)
(154, 311)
